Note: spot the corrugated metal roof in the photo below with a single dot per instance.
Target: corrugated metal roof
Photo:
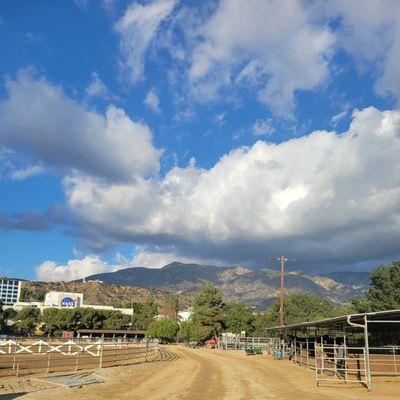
(391, 315)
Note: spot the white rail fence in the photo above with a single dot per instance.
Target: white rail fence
(18, 357)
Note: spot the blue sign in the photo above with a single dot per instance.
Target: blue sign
(68, 302)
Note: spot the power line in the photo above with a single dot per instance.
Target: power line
(283, 260)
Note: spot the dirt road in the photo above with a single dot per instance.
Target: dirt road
(206, 374)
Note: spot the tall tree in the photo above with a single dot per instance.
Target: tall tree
(239, 317)
(144, 313)
(208, 312)
(384, 293)
(299, 307)
(27, 319)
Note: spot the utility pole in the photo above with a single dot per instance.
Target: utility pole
(283, 260)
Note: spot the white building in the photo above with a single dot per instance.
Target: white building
(66, 300)
(10, 290)
(184, 316)
(63, 299)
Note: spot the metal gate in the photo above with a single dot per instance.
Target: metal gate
(348, 364)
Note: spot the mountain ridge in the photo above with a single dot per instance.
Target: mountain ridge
(258, 288)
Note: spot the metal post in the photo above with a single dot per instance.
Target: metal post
(316, 361)
(307, 352)
(345, 354)
(322, 355)
(295, 350)
(367, 359)
(394, 360)
(334, 356)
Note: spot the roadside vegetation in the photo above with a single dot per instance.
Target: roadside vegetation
(211, 315)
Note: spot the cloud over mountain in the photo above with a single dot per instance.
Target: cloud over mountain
(325, 198)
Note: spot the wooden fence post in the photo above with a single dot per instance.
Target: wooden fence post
(77, 359)
(115, 353)
(48, 361)
(101, 354)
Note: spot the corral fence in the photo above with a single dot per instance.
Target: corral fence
(233, 342)
(346, 364)
(31, 356)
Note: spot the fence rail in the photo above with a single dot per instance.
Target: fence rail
(60, 355)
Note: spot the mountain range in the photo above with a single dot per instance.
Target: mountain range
(258, 288)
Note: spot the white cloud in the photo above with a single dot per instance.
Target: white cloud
(21, 174)
(325, 196)
(39, 118)
(338, 117)
(97, 88)
(157, 259)
(274, 45)
(137, 28)
(50, 271)
(152, 100)
(370, 31)
(263, 127)
(220, 119)
(81, 267)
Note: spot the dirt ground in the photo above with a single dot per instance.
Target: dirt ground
(203, 374)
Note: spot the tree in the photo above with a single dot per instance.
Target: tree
(114, 319)
(239, 317)
(52, 318)
(384, 293)
(91, 318)
(208, 313)
(144, 313)
(186, 331)
(165, 329)
(299, 307)
(27, 319)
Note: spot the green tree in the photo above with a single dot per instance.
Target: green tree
(144, 313)
(186, 331)
(53, 320)
(208, 313)
(114, 319)
(165, 329)
(239, 317)
(299, 307)
(91, 318)
(384, 293)
(27, 319)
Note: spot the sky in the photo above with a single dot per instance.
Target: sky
(138, 133)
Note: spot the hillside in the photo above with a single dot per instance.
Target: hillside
(101, 293)
(258, 288)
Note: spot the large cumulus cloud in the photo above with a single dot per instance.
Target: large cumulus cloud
(324, 198)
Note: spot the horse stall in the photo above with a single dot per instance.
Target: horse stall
(348, 349)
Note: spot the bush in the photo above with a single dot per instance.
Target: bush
(165, 329)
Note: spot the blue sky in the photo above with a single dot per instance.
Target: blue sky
(138, 133)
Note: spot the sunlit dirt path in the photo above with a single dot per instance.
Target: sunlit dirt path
(209, 374)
